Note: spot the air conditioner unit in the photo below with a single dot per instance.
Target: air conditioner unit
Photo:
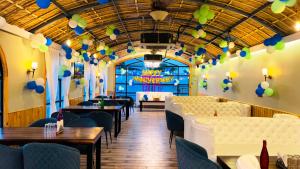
(157, 41)
(152, 60)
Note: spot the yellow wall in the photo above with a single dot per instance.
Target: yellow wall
(75, 92)
(19, 56)
(284, 67)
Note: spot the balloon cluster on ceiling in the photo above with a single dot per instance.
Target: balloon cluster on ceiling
(64, 71)
(130, 48)
(78, 24)
(181, 50)
(44, 4)
(244, 53)
(274, 43)
(38, 41)
(204, 14)
(37, 85)
(198, 32)
(279, 6)
(112, 32)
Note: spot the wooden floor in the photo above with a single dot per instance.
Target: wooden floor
(142, 144)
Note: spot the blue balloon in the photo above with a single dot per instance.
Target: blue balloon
(78, 30)
(198, 27)
(226, 88)
(67, 73)
(267, 42)
(214, 61)
(102, 52)
(190, 59)
(77, 82)
(86, 58)
(31, 85)
(176, 54)
(219, 57)
(273, 41)
(226, 81)
(243, 53)
(101, 80)
(112, 57)
(91, 61)
(225, 49)
(49, 41)
(203, 66)
(68, 50)
(85, 47)
(85, 55)
(43, 3)
(145, 97)
(64, 46)
(277, 38)
(116, 31)
(129, 44)
(259, 92)
(180, 52)
(182, 45)
(68, 56)
(201, 51)
(113, 53)
(39, 89)
(102, 1)
(129, 50)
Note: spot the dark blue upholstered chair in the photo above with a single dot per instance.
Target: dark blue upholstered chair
(68, 116)
(50, 156)
(175, 123)
(10, 158)
(82, 122)
(192, 156)
(104, 120)
(99, 97)
(42, 122)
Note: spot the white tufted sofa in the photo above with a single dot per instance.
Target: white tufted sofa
(244, 135)
(151, 95)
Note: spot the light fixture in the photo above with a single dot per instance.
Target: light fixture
(159, 15)
(69, 42)
(265, 72)
(228, 74)
(204, 76)
(34, 66)
(297, 26)
(152, 60)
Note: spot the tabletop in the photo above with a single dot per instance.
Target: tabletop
(229, 162)
(76, 135)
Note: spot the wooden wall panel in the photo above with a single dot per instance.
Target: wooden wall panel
(24, 118)
(75, 101)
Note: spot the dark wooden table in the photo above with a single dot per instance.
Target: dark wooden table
(229, 162)
(152, 101)
(114, 110)
(91, 137)
(124, 101)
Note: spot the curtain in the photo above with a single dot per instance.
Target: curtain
(52, 66)
(93, 81)
(66, 81)
(87, 76)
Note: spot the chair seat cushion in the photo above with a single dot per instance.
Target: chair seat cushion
(10, 158)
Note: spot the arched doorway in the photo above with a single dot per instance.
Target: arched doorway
(3, 90)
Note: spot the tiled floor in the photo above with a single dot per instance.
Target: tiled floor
(142, 144)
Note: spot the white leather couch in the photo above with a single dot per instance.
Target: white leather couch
(244, 135)
(161, 95)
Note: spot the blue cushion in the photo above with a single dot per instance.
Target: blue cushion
(68, 116)
(82, 122)
(174, 121)
(10, 158)
(42, 122)
(50, 156)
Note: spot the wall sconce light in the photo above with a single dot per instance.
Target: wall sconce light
(34, 66)
(265, 72)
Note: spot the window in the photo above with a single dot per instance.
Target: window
(126, 86)
(59, 98)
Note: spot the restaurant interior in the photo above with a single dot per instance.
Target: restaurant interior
(149, 84)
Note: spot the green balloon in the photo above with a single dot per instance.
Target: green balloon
(248, 57)
(82, 23)
(201, 83)
(197, 14)
(280, 45)
(82, 81)
(43, 48)
(223, 44)
(269, 92)
(203, 35)
(277, 6)
(210, 15)
(291, 3)
(109, 31)
(204, 10)
(76, 17)
(222, 61)
(195, 34)
(223, 85)
(184, 48)
(202, 20)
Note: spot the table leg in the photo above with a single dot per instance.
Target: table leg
(120, 119)
(116, 123)
(141, 106)
(89, 158)
(127, 112)
(98, 154)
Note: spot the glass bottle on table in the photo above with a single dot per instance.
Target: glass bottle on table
(59, 122)
(264, 156)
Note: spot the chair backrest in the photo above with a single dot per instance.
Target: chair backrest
(103, 119)
(42, 122)
(98, 97)
(68, 116)
(82, 122)
(111, 103)
(50, 156)
(10, 158)
(174, 121)
(86, 103)
(192, 156)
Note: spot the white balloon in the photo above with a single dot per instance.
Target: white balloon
(2, 22)
(229, 85)
(113, 37)
(270, 49)
(231, 45)
(85, 41)
(210, 61)
(90, 43)
(238, 52)
(73, 24)
(40, 81)
(76, 54)
(201, 32)
(41, 39)
(264, 85)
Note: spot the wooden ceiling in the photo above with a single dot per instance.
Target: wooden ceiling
(249, 22)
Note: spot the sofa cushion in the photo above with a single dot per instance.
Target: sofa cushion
(10, 158)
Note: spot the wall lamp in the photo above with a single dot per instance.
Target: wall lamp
(265, 72)
(34, 66)
(228, 75)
